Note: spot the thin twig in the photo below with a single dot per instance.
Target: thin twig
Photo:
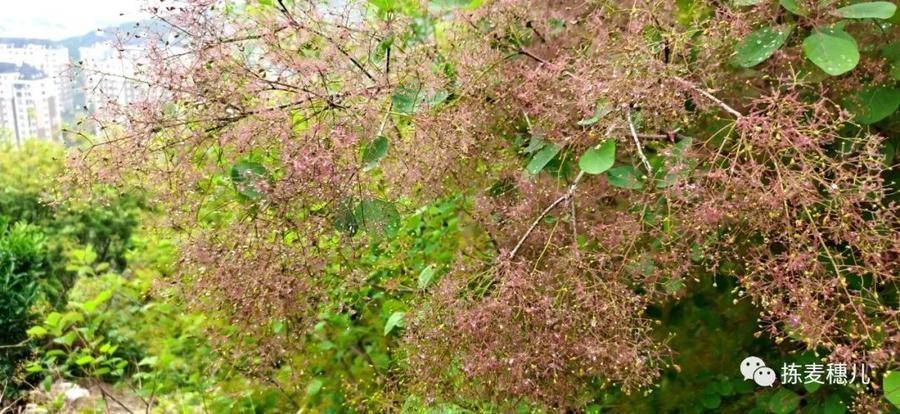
(544, 213)
(110, 396)
(18, 345)
(637, 142)
(710, 96)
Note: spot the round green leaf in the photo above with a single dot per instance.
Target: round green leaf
(625, 176)
(759, 45)
(832, 50)
(891, 386)
(873, 104)
(375, 151)
(867, 10)
(597, 160)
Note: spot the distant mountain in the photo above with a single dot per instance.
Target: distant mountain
(102, 35)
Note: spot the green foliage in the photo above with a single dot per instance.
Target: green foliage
(78, 342)
(23, 266)
(39, 254)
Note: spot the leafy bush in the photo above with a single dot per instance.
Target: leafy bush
(23, 268)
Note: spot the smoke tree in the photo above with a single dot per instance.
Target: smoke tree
(610, 154)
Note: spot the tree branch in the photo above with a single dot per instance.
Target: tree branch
(544, 213)
(709, 96)
(637, 142)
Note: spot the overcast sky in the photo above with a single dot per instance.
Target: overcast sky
(57, 19)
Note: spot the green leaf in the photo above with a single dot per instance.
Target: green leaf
(891, 51)
(375, 151)
(674, 285)
(793, 7)
(438, 98)
(36, 332)
(407, 99)
(833, 405)
(625, 176)
(597, 160)
(84, 360)
(873, 104)
(891, 386)
(394, 321)
(602, 110)
(377, 217)
(247, 176)
(540, 160)
(832, 50)
(740, 3)
(108, 348)
(534, 144)
(53, 320)
(68, 339)
(425, 276)
(314, 387)
(784, 401)
(761, 44)
(868, 10)
(148, 361)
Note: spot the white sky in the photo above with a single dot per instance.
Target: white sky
(56, 19)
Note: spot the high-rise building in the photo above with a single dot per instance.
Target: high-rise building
(29, 104)
(109, 76)
(51, 59)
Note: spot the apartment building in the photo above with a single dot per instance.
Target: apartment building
(109, 76)
(51, 59)
(29, 104)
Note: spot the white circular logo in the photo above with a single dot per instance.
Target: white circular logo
(754, 368)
